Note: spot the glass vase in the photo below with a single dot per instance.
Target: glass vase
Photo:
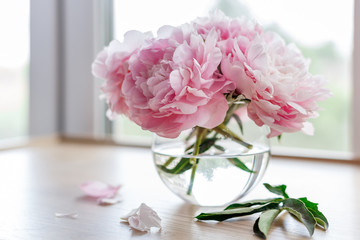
(224, 168)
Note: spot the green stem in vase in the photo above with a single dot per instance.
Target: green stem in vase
(192, 178)
(229, 114)
(226, 132)
(170, 160)
(194, 161)
(232, 109)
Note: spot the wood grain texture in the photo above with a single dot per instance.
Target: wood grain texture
(37, 182)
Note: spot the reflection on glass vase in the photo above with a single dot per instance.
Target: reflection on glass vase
(227, 163)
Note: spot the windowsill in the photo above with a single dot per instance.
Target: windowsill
(22, 142)
(314, 155)
(6, 144)
(277, 152)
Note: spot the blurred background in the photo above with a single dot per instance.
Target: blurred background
(47, 47)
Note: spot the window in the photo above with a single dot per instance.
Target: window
(72, 34)
(14, 64)
(327, 40)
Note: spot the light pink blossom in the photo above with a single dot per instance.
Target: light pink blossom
(112, 64)
(275, 77)
(227, 28)
(179, 79)
(174, 85)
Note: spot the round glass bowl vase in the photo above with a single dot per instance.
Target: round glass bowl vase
(224, 170)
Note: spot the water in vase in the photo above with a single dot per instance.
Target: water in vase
(217, 180)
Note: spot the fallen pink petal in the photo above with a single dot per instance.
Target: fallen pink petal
(109, 201)
(72, 215)
(99, 190)
(143, 218)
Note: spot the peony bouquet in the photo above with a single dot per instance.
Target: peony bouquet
(202, 74)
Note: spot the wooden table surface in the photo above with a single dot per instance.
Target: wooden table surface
(36, 182)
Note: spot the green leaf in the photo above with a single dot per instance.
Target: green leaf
(183, 165)
(238, 120)
(279, 190)
(221, 148)
(298, 209)
(207, 144)
(279, 137)
(226, 214)
(263, 223)
(238, 163)
(204, 146)
(189, 148)
(302, 209)
(319, 216)
(252, 203)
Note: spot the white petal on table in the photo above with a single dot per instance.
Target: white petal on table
(143, 218)
(109, 201)
(72, 215)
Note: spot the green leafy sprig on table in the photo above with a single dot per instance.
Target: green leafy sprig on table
(302, 209)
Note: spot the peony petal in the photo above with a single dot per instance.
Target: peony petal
(142, 218)
(297, 107)
(72, 215)
(98, 189)
(308, 128)
(207, 118)
(109, 201)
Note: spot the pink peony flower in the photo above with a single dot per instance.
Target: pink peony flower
(227, 28)
(112, 64)
(275, 77)
(173, 83)
(178, 80)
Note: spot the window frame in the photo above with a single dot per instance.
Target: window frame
(64, 39)
(356, 84)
